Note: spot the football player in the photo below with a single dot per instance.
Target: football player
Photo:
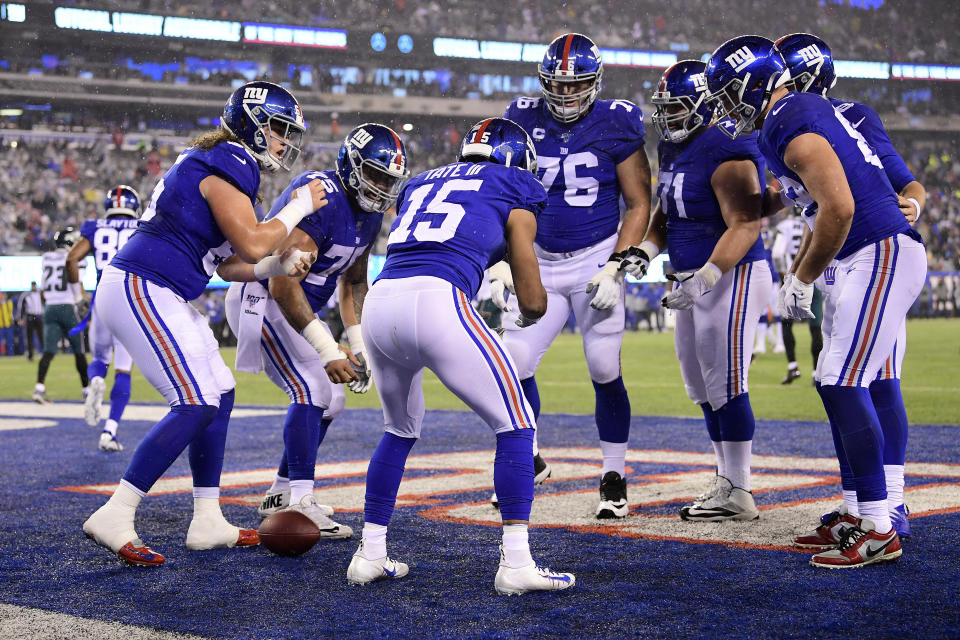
(279, 327)
(710, 191)
(200, 220)
(815, 152)
(60, 313)
(104, 237)
(590, 154)
(810, 63)
(454, 221)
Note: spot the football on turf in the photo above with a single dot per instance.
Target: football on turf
(288, 533)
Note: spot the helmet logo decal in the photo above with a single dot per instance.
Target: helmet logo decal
(699, 82)
(811, 54)
(257, 95)
(740, 59)
(361, 138)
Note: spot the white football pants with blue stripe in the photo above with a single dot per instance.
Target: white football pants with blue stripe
(288, 359)
(104, 346)
(565, 277)
(865, 310)
(714, 339)
(169, 340)
(424, 322)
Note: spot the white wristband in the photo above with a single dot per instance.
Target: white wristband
(709, 273)
(76, 290)
(299, 207)
(917, 205)
(650, 249)
(322, 342)
(355, 338)
(273, 266)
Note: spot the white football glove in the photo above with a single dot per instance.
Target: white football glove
(524, 321)
(501, 281)
(608, 284)
(795, 298)
(690, 286)
(636, 260)
(364, 378)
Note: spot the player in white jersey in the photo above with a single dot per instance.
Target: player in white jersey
(103, 237)
(590, 153)
(60, 313)
(200, 220)
(786, 244)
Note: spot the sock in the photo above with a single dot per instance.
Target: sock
(206, 450)
(110, 426)
(43, 367)
(97, 369)
(208, 494)
(888, 402)
(374, 538)
(792, 364)
(736, 455)
(299, 489)
(80, 361)
(737, 426)
(789, 342)
(894, 475)
(165, 441)
(513, 473)
(119, 395)
(713, 428)
(876, 510)
(516, 546)
(384, 475)
(612, 411)
(280, 483)
(846, 475)
(862, 439)
(301, 437)
(126, 496)
(532, 394)
(614, 457)
(850, 499)
(40, 387)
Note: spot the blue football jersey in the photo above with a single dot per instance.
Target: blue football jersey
(694, 219)
(578, 167)
(868, 123)
(107, 236)
(451, 221)
(178, 244)
(876, 214)
(341, 229)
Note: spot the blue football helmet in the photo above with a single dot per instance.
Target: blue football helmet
(500, 141)
(570, 60)
(741, 75)
(122, 201)
(809, 61)
(258, 113)
(681, 101)
(372, 165)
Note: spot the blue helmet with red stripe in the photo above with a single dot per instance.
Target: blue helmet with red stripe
(372, 165)
(122, 201)
(259, 113)
(570, 76)
(681, 101)
(810, 63)
(500, 141)
(741, 76)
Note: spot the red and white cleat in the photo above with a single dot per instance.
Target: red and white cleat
(828, 534)
(860, 546)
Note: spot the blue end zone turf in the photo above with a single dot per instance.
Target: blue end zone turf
(649, 576)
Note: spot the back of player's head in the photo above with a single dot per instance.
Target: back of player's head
(681, 101)
(810, 62)
(260, 112)
(570, 76)
(372, 165)
(66, 238)
(122, 201)
(500, 141)
(741, 76)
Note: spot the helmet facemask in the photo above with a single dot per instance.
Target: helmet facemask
(569, 107)
(375, 187)
(676, 124)
(278, 128)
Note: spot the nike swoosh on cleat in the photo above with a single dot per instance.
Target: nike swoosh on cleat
(872, 552)
(559, 578)
(390, 573)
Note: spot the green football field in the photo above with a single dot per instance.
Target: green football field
(931, 379)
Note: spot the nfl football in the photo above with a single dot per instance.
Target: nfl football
(288, 533)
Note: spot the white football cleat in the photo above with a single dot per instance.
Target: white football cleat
(40, 396)
(512, 582)
(93, 402)
(108, 442)
(274, 501)
(729, 503)
(716, 483)
(212, 531)
(329, 530)
(364, 571)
